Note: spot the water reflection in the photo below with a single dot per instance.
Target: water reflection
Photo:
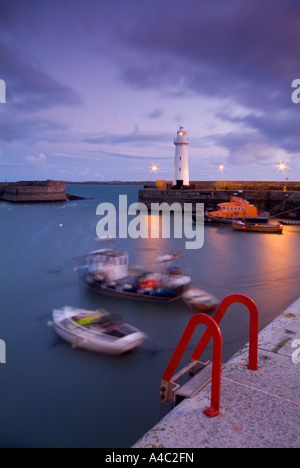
(48, 390)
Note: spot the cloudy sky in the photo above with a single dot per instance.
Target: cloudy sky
(96, 89)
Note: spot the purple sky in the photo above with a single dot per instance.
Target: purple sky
(96, 89)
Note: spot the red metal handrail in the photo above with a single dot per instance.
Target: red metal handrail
(253, 332)
(213, 330)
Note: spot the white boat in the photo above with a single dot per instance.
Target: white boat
(200, 301)
(96, 331)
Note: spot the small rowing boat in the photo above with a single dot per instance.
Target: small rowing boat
(96, 331)
(200, 301)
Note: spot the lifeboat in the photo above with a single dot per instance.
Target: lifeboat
(237, 209)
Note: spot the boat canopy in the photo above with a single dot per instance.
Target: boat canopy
(111, 263)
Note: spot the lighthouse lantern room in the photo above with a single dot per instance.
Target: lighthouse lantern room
(181, 177)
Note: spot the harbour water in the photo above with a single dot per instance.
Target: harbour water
(54, 396)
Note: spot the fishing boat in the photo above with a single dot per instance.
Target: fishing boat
(200, 301)
(267, 228)
(237, 209)
(107, 271)
(96, 331)
(289, 223)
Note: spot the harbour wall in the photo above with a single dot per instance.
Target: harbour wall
(267, 197)
(45, 191)
(234, 185)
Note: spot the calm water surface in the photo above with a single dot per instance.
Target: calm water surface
(54, 396)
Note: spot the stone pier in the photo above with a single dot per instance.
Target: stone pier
(266, 196)
(45, 191)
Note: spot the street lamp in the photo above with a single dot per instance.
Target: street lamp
(283, 167)
(153, 168)
(221, 168)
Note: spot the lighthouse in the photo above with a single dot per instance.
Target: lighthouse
(181, 164)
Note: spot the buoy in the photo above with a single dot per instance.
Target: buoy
(60, 225)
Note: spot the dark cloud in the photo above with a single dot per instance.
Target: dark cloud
(247, 51)
(155, 114)
(8, 11)
(243, 147)
(29, 87)
(138, 157)
(280, 129)
(18, 128)
(135, 138)
(242, 54)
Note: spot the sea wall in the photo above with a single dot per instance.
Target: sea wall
(274, 201)
(45, 191)
(234, 185)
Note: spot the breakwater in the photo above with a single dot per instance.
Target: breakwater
(266, 196)
(44, 191)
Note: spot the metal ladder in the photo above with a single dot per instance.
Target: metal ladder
(171, 393)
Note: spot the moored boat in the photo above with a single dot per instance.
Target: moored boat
(96, 331)
(289, 223)
(237, 209)
(267, 228)
(107, 271)
(200, 301)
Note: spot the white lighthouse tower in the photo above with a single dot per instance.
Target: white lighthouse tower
(181, 164)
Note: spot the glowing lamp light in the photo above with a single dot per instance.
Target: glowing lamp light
(153, 168)
(221, 168)
(283, 167)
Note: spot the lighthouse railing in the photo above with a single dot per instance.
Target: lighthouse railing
(181, 141)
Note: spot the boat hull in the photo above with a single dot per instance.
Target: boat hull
(96, 342)
(164, 296)
(220, 220)
(290, 223)
(271, 229)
